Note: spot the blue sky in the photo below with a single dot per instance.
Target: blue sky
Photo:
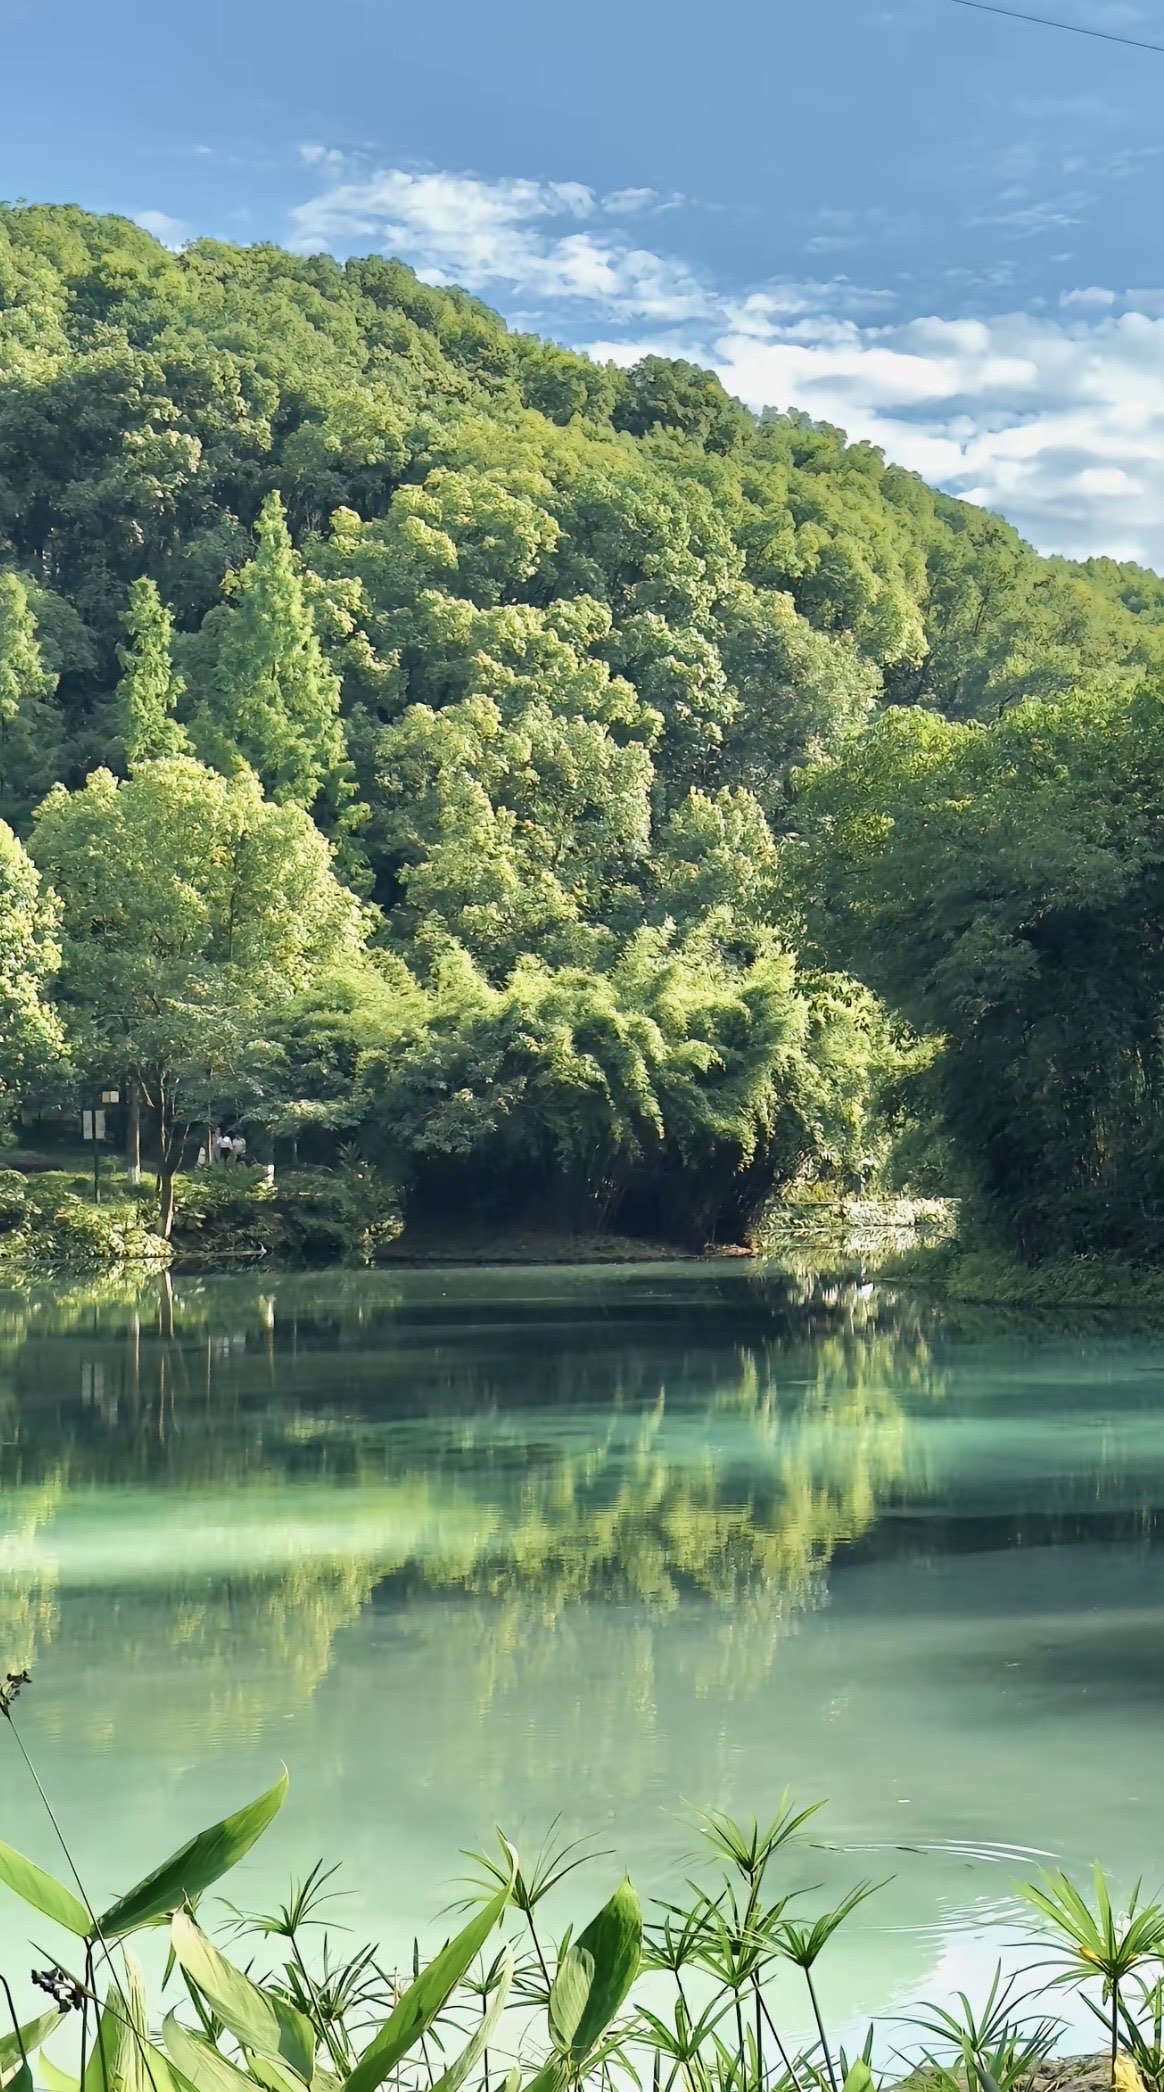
(938, 228)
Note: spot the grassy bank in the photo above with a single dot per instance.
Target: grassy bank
(988, 1278)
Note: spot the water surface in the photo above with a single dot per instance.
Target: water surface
(490, 1547)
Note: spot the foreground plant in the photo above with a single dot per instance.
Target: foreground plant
(993, 2049)
(1109, 1946)
(504, 2006)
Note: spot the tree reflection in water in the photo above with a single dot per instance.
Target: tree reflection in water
(232, 1473)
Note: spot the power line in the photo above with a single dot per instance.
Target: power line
(1108, 36)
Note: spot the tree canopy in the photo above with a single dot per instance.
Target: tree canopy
(654, 736)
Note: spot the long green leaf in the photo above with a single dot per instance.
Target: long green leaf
(123, 2058)
(43, 1891)
(454, 2077)
(199, 2061)
(570, 1994)
(414, 2013)
(256, 2019)
(277, 2077)
(56, 2080)
(614, 1943)
(182, 1877)
(142, 2066)
(102, 2072)
(13, 2046)
(552, 2076)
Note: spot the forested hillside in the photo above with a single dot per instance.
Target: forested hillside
(404, 733)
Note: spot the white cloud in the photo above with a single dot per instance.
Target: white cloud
(326, 157)
(508, 235)
(1058, 423)
(172, 232)
(1056, 419)
(622, 203)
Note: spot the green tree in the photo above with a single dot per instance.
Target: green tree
(272, 701)
(31, 1039)
(29, 723)
(150, 686)
(1000, 886)
(191, 908)
(672, 1093)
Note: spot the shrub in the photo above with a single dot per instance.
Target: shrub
(62, 1232)
(13, 1200)
(307, 1216)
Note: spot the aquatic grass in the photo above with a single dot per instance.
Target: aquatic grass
(803, 1945)
(1098, 1943)
(995, 2048)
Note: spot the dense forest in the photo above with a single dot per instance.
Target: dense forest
(569, 792)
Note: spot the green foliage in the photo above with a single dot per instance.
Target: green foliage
(673, 1091)
(58, 1230)
(306, 1216)
(267, 2026)
(992, 2050)
(1000, 887)
(989, 1277)
(42, 1891)
(192, 907)
(596, 1972)
(31, 1038)
(150, 687)
(13, 1199)
(264, 695)
(30, 733)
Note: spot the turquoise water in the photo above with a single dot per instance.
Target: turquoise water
(495, 1547)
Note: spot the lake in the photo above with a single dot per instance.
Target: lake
(466, 1548)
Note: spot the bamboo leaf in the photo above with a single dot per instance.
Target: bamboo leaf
(199, 2061)
(859, 2077)
(13, 2047)
(182, 1877)
(258, 2020)
(275, 2076)
(56, 2080)
(614, 1942)
(101, 2070)
(570, 1994)
(550, 2078)
(415, 2012)
(43, 1891)
(469, 2057)
(142, 2066)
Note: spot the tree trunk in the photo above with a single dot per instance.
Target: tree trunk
(133, 1129)
(165, 1198)
(169, 1154)
(165, 1327)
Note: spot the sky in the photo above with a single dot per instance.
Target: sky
(935, 227)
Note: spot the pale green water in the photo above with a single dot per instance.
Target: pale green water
(483, 1547)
